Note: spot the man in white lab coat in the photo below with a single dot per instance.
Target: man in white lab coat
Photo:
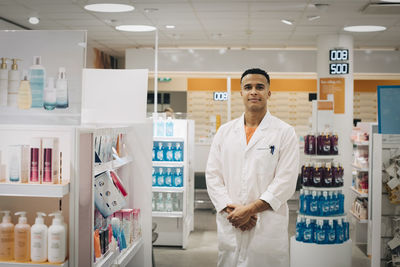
(251, 172)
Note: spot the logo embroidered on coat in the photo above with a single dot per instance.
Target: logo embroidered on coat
(272, 149)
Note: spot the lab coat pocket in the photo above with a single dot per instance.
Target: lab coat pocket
(266, 161)
(226, 233)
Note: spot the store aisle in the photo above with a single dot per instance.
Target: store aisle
(202, 249)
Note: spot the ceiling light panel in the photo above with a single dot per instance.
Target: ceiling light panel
(111, 8)
(34, 20)
(364, 28)
(136, 28)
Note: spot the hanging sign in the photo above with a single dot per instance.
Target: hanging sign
(335, 87)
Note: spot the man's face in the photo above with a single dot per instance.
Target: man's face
(255, 92)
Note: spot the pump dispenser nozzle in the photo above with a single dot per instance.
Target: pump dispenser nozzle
(4, 63)
(39, 219)
(14, 65)
(22, 219)
(57, 218)
(6, 217)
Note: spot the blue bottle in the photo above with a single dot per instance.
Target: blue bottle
(345, 229)
(314, 227)
(178, 153)
(314, 204)
(308, 232)
(320, 233)
(169, 127)
(154, 152)
(307, 202)
(160, 127)
(341, 203)
(154, 177)
(336, 202)
(168, 178)
(37, 74)
(339, 232)
(160, 152)
(331, 233)
(332, 201)
(178, 178)
(299, 229)
(168, 152)
(325, 204)
(160, 177)
(301, 201)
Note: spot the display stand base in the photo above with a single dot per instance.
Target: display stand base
(315, 255)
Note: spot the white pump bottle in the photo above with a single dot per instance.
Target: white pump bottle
(7, 237)
(39, 239)
(22, 236)
(56, 239)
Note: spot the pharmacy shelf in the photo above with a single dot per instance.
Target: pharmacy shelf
(168, 189)
(127, 255)
(358, 168)
(358, 219)
(361, 143)
(322, 157)
(323, 188)
(108, 259)
(168, 139)
(171, 164)
(313, 217)
(358, 193)
(111, 165)
(173, 214)
(30, 264)
(34, 190)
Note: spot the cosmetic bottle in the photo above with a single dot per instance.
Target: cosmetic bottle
(62, 89)
(39, 239)
(50, 96)
(308, 232)
(14, 78)
(168, 178)
(6, 237)
(168, 152)
(178, 179)
(34, 176)
(178, 153)
(317, 175)
(47, 160)
(37, 81)
(24, 93)
(3, 82)
(14, 166)
(169, 127)
(160, 177)
(56, 239)
(25, 163)
(22, 236)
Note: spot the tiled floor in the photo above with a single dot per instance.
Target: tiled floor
(202, 247)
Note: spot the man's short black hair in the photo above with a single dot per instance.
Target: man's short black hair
(255, 71)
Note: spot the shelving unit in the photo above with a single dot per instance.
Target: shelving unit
(312, 217)
(34, 190)
(174, 227)
(127, 255)
(358, 193)
(359, 169)
(112, 165)
(23, 264)
(323, 188)
(357, 218)
(107, 260)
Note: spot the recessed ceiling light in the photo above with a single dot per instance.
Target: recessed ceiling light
(33, 20)
(109, 7)
(170, 26)
(288, 22)
(150, 9)
(135, 28)
(311, 18)
(364, 28)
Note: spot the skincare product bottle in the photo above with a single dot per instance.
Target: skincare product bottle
(50, 95)
(3, 82)
(169, 127)
(39, 239)
(56, 240)
(25, 93)
(38, 81)
(22, 236)
(62, 89)
(6, 237)
(14, 78)
(34, 177)
(25, 163)
(47, 160)
(14, 166)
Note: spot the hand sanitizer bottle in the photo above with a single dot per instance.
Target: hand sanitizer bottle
(6, 237)
(178, 179)
(178, 153)
(308, 232)
(154, 177)
(37, 80)
(14, 78)
(160, 202)
(61, 89)
(3, 82)
(168, 178)
(50, 95)
(160, 177)
(339, 232)
(160, 152)
(168, 152)
(39, 239)
(168, 203)
(169, 127)
(331, 234)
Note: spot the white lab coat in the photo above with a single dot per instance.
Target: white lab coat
(240, 173)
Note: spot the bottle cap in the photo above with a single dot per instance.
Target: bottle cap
(6, 217)
(22, 219)
(14, 65)
(61, 73)
(37, 60)
(3, 63)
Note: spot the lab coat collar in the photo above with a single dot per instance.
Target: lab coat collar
(258, 134)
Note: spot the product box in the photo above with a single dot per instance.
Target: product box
(14, 164)
(25, 163)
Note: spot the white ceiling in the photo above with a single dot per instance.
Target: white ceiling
(210, 23)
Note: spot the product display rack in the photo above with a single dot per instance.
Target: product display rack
(22, 264)
(174, 227)
(35, 190)
(383, 148)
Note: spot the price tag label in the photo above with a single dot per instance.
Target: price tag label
(393, 183)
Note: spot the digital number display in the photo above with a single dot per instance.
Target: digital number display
(339, 55)
(338, 68)
(220, 96)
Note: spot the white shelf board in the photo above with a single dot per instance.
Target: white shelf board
(107, 259)
(323, 188)
(30, 264)
(173, 214)
(168, 164)
(358, 168)
(324, 157)
(358, 193)
(313, 217)
(358, 219)
(168, 189)
(361, 143)
(111, 165)
(127, 255)
(34, 190)
(168, 138)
